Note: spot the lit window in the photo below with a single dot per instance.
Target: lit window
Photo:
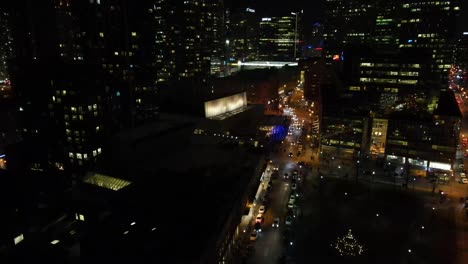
(18, 239)
(79, 156)
(134, 34)
(79, 217)
(101, 34)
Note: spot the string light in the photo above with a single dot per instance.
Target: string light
(348, 245)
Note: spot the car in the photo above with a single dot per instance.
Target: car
(463, 180)
(293, 186)
(290, 204)
(291, 213)
(276, 222)
(259, 218)
(295, 172)
(253, 235)
(294, 193)
(261, 210)
(461, 166)
(290, 154)
(462, 175)
(288, 220)
(258, 227)
(292, 198)
(286, 175)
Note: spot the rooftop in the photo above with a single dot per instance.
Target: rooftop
(107, 182)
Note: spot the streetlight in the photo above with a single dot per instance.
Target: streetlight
(295, 33)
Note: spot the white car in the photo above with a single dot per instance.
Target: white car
(463, 180)
(261, 210)
(290, 204)
(276, 222)
(292, 198)
(293, 186)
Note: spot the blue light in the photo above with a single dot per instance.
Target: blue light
(117, 93)
(410, 41)
(278, 133)
(309, 47)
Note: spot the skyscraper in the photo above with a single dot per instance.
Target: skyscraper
(432, 26)
(242, 34)
(80, 73)
(280, 37)
(188, 38)
(6, 51)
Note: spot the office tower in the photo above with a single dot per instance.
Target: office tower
(385, 29)
(188, 38)
(347, 23)
(280, 37)
(242, 34)
(431, 25)
(81, 72)
(460, 53)
(6, 51)
(213, 42)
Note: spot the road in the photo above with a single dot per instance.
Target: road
(274, 242)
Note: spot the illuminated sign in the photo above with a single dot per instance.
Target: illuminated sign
(465, 33)
(225, 104)
(336, 57)
(266, 19)
(250, 10)
(438, 165)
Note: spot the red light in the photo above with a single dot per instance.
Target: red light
(336, 57)
(318, 48)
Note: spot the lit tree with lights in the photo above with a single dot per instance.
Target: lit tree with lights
(348, 245)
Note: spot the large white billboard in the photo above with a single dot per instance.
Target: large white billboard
(225, 104)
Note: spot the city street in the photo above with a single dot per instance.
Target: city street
(272, 244)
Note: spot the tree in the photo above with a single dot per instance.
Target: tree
(348, 245)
